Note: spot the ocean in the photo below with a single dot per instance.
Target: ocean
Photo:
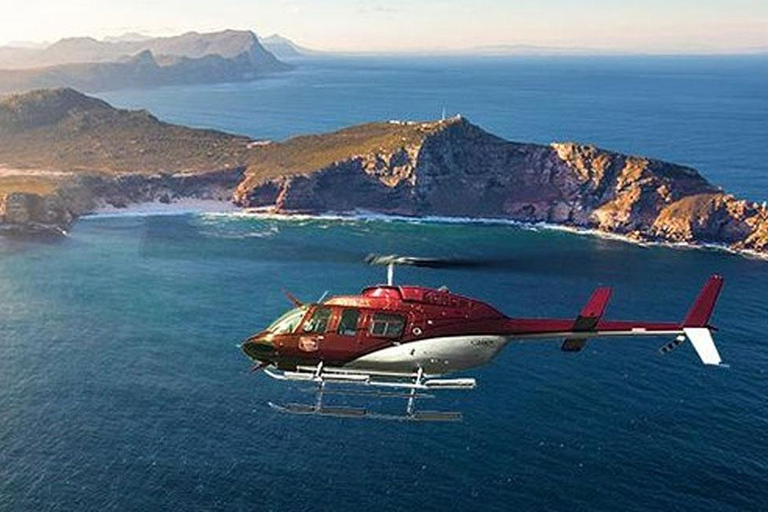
(122, 386)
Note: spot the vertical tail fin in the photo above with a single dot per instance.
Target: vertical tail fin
(696, 323)
(699, 314)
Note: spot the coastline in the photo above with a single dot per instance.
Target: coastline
(225, 208)
(409, 172)
(365, 216)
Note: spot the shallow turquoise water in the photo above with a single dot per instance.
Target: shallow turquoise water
(121, 386)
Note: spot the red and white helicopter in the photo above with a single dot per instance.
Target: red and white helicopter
(404, 340)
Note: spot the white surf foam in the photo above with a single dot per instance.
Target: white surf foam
(366, 216)
(179, 207)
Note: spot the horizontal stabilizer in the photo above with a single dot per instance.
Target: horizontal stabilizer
(701, 339)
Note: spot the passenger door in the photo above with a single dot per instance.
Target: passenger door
(341, 342)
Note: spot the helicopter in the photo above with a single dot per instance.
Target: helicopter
(406, 341)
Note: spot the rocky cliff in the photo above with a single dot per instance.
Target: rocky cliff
(454, 168)
(63, 154)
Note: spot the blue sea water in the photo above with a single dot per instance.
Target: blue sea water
(710, 113)
(122, 386)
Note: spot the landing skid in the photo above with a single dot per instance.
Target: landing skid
(412, 384)
(352, 412)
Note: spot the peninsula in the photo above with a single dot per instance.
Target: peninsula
(63, 154)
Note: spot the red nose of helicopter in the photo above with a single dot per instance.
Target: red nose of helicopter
(259, 348)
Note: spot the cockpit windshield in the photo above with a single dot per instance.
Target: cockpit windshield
(288, 323)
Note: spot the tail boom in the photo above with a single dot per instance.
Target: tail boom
(589, 324)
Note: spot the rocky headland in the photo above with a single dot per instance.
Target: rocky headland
(63, 154)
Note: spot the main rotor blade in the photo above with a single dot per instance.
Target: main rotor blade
(291, 297)
(459, 263)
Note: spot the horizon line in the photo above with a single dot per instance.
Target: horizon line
(497, 49)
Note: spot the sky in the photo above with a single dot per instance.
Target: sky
(651, 26)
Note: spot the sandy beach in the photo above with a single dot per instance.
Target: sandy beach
(181, 206)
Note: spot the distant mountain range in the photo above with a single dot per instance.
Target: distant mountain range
(133, 60)
(193, 45)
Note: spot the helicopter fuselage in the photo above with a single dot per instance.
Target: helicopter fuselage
(406, 328)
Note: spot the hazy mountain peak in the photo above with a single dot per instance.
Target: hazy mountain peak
(143, 57)
(284, 48)
(225, 43)
(45, 107)
(274, 37)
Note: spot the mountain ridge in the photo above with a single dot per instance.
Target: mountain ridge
(78, 50)
(91, 65)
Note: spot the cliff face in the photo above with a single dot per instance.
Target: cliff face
(27, 212)
(453, 168)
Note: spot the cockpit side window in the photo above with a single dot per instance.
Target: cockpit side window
(348, 322)
(319, 321)
(385, 325)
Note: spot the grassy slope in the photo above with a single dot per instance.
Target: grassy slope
(312, 152)
(62, 130)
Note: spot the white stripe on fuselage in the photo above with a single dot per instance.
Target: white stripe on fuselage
(434, 355)
(457, 353)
